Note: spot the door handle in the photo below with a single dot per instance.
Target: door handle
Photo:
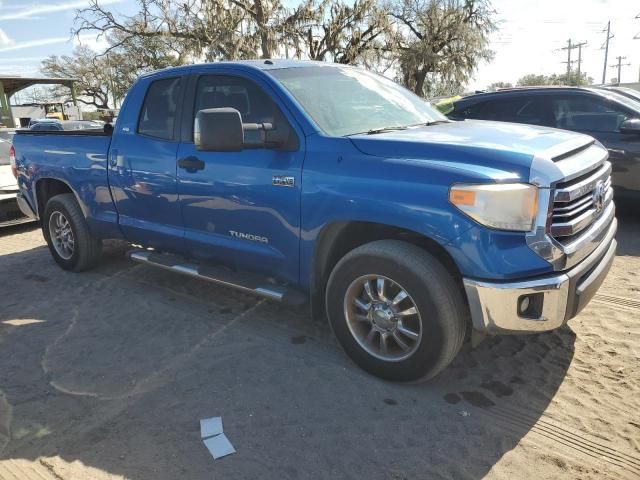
(191, 164)
(113, 158)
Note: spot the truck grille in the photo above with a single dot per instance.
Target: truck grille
(579, 202)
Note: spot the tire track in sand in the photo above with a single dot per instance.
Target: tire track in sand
(577, 442)
(617, 301)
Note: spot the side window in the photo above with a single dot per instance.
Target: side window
(158, 114)
(474, 111)
(537, 110)
(501, 109)
(254, 105)
(505, 109)
(588, 113)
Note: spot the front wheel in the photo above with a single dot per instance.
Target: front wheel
(65, 229)
(396, 310)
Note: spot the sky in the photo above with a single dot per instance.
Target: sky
(529, 38)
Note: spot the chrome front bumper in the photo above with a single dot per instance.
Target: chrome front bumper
(494, 305)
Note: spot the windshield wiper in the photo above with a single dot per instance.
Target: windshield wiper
(393, 128)
(436, 122)
(373, 131)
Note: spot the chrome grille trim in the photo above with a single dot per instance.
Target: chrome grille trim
(569, 226)
(568, 193)
(574, 208)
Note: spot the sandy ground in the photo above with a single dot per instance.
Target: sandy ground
(105, 375)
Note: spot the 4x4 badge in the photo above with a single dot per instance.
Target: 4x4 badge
(282, 181)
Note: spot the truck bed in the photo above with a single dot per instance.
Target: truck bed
(77, 158)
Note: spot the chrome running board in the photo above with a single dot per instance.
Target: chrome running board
(249, 282)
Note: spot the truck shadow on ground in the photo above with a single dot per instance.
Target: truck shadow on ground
(113, 369)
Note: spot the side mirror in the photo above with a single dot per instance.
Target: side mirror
(218, 130)
(630, 126)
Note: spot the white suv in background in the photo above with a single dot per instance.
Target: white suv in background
(10, 214)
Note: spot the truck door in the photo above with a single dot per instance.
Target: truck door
(241, 208)
(142, 165)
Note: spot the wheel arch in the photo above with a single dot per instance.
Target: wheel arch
(338, 238)
(48, 187)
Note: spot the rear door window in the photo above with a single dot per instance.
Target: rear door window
(159, 111)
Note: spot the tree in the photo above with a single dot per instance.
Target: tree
(210, 29)
(128, 60)
(435, 44)
(342, 33)
(446, 39)
(572, 79)
(533, 80)
(499, 85)
(242, 29)
(92, 74)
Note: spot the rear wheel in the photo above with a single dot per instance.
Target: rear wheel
(396, 310)
(65, 229)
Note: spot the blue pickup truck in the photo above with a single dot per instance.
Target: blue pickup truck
(327, 185)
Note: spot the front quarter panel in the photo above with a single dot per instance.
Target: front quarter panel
(340, 183)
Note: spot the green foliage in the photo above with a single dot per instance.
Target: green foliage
(91, 72)
(434, 45)
(499, 85)
(443, 40)
(571, 79)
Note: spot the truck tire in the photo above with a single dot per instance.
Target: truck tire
(65, 229)
(396, 310)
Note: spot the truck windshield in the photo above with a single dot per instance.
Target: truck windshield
(346, 101)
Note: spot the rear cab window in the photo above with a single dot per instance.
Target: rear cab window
(160, 109)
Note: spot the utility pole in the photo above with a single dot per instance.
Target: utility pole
(579, 45)
(619, 65)
(568, 48)
(606, 52)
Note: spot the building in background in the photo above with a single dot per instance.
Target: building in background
(20, 115)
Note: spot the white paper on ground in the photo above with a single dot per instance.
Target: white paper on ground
(210, 427)
(219, 446)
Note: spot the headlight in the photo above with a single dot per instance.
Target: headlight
(507, 206)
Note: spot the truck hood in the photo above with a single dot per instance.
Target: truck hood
(500, 150)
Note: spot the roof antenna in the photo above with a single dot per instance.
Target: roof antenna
(268, 62)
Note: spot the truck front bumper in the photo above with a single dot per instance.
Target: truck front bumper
(497, 307)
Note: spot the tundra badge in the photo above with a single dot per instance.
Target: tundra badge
(248, 236)
(282, 181)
